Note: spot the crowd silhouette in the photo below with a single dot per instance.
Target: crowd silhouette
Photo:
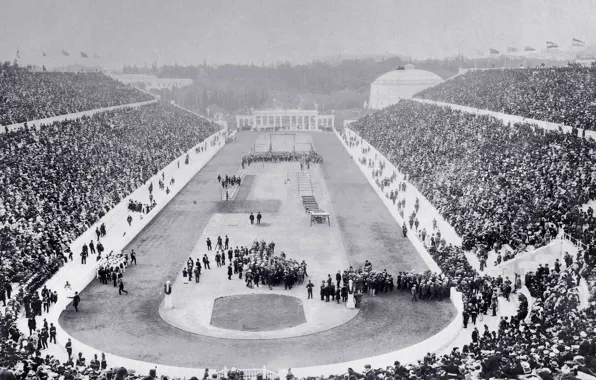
(27, 95)
(562, 95)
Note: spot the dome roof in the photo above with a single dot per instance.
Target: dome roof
(409, 75)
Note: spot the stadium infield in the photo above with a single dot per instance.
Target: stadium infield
(131, 326)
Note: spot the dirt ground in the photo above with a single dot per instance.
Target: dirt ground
(251, 312)
(130, 326)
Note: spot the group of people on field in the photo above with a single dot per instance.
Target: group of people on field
(305, 157)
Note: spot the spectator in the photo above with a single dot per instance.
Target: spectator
(28, 95)
(495, 184)
(58, 181)
(555, 94)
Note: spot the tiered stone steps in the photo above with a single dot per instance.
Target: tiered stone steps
(304, 182)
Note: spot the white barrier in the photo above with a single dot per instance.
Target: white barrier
(70, 116)
(528, 261)
(79, 275)
(506, 118)
(426, 208)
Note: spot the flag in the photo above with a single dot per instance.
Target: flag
(95, 56)
(479, 53)
(65, 53)
(529, 48)
(18, 55)
(511, 50)
(551, 45)
(43, 54)
(84, 55)
(576, 42)
(494, 51)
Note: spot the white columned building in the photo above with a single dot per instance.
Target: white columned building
(285, 120)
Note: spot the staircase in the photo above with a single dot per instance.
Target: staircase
(304, 183)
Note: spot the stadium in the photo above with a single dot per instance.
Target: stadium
(155, 223)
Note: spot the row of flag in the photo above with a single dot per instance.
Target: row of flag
(549, 45)
(64, 53)
(67, 54)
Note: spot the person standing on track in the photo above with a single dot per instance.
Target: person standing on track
(309, 287)
(133, 257)
(68, 347)
(197, 272)
(121, 287)
(52, 333)
(75, 301)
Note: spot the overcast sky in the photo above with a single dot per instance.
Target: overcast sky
(245, 31)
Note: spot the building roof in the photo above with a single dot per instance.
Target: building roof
(409, 75)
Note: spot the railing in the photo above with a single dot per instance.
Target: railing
(574, 241)
(249, 373)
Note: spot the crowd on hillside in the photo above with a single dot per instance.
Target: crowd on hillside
(29, 95)
(58, 181)
(555, 94)
(495, 184)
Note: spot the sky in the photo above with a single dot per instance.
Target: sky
(269, 31)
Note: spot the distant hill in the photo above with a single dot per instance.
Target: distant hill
(339, 83)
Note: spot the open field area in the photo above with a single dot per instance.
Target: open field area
(361, 228)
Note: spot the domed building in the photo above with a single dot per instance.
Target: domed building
(400, 84)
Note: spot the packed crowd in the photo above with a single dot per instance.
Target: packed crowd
(229, 181)
(365, 280)
(495, 184)
(555, 94)
(28, 95)
(58, 181)
(260, 265)
(306, 157)
(256, 265)
(111, 268)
